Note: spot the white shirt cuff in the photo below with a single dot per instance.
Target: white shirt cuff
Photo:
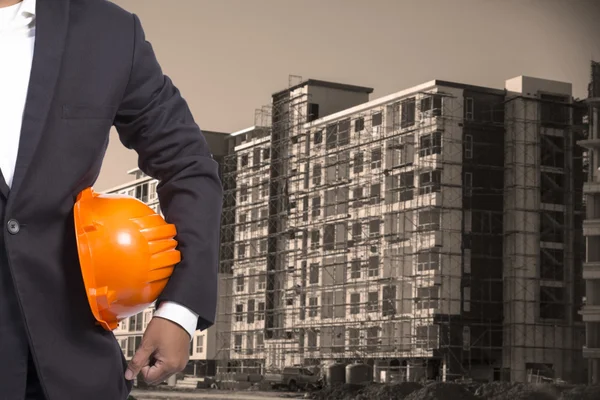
(179, 314)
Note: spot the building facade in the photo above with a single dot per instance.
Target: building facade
(430, 233)
(543, 254)
(245, 247)
(591, 229)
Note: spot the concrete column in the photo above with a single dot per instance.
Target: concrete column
(172, 381)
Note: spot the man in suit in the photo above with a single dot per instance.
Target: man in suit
(69, 70)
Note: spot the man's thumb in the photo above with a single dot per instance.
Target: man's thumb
(139, 360)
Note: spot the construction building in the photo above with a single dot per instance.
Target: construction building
(591, 228)
(244, 249)
(431, 233)
(206, 346)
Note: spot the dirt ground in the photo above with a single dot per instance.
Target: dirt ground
(454, 391)
(400, 391)
(206, 394)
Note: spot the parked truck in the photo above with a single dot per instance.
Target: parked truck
(294, 378)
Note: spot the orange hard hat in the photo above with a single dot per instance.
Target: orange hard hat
(127, 253)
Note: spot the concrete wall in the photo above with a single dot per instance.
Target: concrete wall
(333, 100)
(528, 338)
(530, 86)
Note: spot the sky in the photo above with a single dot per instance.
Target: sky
(228, 56)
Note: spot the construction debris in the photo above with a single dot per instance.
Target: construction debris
(439, 391)
(455, 391)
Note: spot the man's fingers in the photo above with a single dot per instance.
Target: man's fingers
(154, 374)
(140, 359)
(158, 372)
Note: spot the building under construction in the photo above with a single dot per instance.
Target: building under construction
(434, 233)
(591, 228)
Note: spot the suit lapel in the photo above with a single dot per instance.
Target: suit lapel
(52, 20)
(3, 186)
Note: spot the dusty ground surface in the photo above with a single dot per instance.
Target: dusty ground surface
(401, 391)
(206, 394)
(454, 391)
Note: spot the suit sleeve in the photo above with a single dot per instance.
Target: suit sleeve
(154, 120)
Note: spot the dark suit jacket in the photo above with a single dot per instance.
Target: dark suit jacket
(93, 69)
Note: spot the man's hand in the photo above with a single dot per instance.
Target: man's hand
(164, 351)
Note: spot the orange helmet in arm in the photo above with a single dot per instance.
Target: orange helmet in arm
(127, 253)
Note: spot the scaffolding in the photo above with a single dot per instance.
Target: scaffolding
(543, 251)
(406, 236)
(591, 144)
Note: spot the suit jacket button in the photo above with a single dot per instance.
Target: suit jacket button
(13, 226)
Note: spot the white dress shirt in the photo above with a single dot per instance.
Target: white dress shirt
(17, 38)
